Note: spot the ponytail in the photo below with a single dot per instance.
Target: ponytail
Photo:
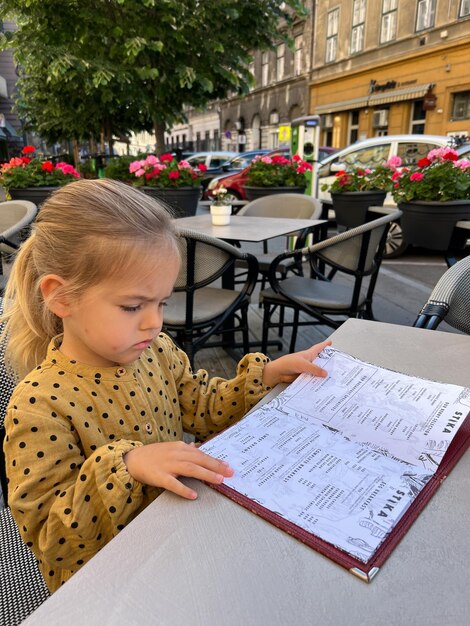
(28, 325)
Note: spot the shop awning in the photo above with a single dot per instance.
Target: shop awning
(375, 99)
(8, 129)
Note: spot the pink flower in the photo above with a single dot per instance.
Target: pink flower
(135, 166)
(417, 176)
(173, 175)
(140, 172)
(463, 164)
(266, 159)
(393, 162)
(151, 160)
(184, 165)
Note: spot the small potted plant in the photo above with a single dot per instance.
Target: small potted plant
(278, 174)
(174, 182)
(30, 177)
(220, 208)
(434, 195)
(354, 190)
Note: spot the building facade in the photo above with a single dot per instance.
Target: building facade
(390, 66)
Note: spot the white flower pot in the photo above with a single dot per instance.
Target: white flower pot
(220, 214)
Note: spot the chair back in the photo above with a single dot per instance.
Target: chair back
(205, 302)
(449, 300)
(294, 205)
(355, 252)
(14, 216)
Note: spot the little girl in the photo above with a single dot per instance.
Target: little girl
(94, 431)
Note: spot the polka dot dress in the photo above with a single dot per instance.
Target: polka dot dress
(69, 425)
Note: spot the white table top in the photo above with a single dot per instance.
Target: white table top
(247, 228)
(211, 562)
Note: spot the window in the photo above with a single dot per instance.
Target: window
(264, 68)
(461, 106)
(410, 153)
(353, 126)
(388, 28)
(299, 42)
(425, 15)
(357, 33)
(418, 118)
(464, 10)
(368, 157)
(251, 69)
(332, 35)
(280, 55)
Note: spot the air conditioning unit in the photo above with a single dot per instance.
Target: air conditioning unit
(380, 118)
(326, 121)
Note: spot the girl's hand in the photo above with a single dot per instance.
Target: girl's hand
(288, 367)
(159, 465)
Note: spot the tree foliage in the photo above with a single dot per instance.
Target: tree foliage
(135, 63)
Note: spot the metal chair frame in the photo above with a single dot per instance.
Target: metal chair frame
(356, 252)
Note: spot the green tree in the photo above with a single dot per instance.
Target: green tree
(146, 59)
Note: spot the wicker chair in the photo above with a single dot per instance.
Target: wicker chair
(204, 303)
(15, 216)
(449, 300)
(293, 205)
(356, 253)
(22, 587)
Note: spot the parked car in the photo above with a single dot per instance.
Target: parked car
(232, 166)
(373, 152)
(213, 160)
(235, 183)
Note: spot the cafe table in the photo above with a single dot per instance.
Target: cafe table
(248, 228)
(210, 562)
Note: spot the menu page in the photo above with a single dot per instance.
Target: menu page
(344, 457)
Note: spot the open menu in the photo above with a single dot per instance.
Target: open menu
(346, 463)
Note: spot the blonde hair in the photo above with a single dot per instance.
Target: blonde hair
(85, 232)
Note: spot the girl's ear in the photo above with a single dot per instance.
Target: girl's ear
(54, 297)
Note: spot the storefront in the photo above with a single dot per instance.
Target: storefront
(424, 93)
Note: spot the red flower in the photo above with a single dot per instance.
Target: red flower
(202, 168)
(47, 166)
(173, 175)
(26, 160)
(28, 149)
(450, 155)
(416, 176)
(166, 158)
(424, 162)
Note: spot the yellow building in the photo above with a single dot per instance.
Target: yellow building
(389, 67)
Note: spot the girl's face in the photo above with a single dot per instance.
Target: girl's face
(113, 322)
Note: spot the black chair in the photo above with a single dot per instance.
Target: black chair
(205, 303)
(356, 253)
(293, 205)
(449, 300)
(22, 587)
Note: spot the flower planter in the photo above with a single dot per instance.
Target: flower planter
(220, 214)
(37, 195)
(351, 207)
(253, 193)
(181, 201)
(432, 224)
